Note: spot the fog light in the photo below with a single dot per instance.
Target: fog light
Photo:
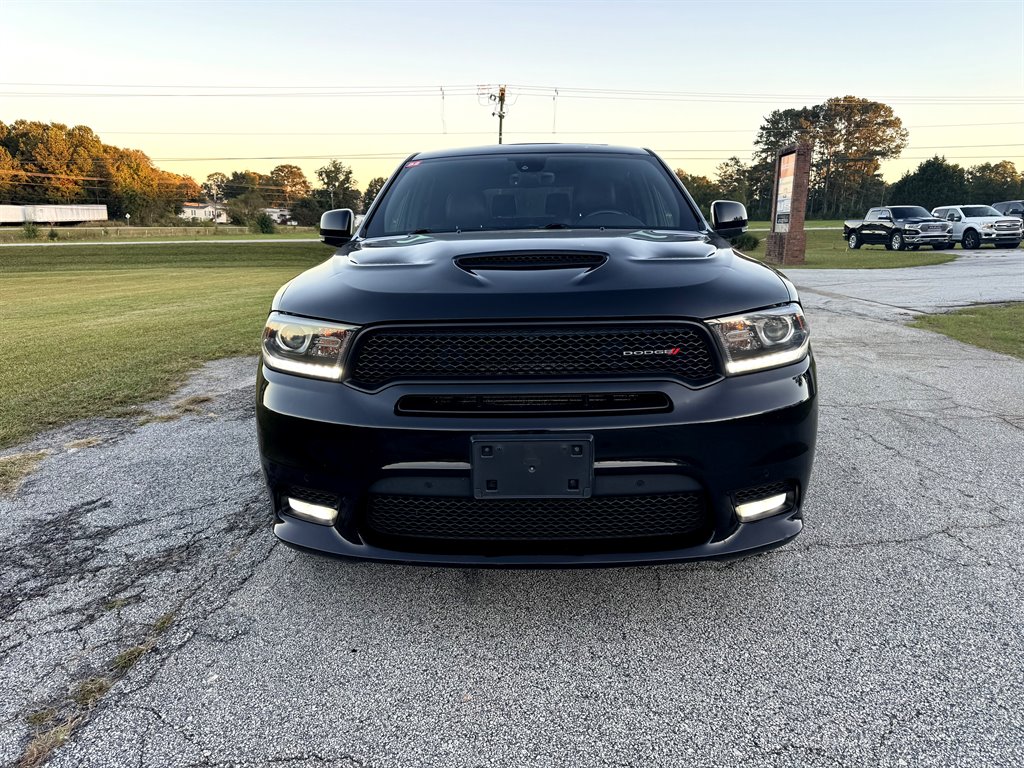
(314, 513)
(755, 510)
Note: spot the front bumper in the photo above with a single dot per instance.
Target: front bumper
(739, 433)
(1001, 238)
(927, 237)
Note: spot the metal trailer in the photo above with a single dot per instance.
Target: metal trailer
(52, 214)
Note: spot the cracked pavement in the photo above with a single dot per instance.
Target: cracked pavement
(891, 632)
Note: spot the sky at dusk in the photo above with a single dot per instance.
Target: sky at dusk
(223, 86)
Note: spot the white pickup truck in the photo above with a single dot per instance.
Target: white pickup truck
(975, 225)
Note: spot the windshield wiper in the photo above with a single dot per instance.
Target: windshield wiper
(421, 232)
(557, 225)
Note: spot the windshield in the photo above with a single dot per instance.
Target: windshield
(532, 191)
(910, 212)
(980, 210)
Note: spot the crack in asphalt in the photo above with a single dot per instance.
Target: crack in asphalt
(83, 581)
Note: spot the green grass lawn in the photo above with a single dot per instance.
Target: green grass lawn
(94, 330)
(999, 327)
(16, 235)
(828, 250)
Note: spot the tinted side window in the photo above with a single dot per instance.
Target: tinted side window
(872, 215)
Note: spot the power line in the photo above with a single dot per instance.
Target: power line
(562, 132)
(431, 91)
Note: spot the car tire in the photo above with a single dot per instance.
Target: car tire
(896, 242)
(970, 241)
(854, 241)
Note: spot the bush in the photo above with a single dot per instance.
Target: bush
(30, 230)
(52, 234)
(745, 242)
(263, 225)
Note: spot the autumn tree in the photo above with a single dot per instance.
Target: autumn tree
(290, 184)
(851, 137)
(242, 182)
(10, 176)
(58, 161)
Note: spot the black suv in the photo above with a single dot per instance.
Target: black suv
(536, 355)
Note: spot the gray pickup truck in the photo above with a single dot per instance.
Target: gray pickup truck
(898, 228)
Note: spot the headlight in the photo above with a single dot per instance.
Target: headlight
(987, 225)
(759, 340)
(912, 228)
(307, 347)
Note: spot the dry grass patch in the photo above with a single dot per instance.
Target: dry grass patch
(16, 467)
(85, 442)
(43, 743)
(90, 691)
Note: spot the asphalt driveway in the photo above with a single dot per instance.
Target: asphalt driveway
(891, 632)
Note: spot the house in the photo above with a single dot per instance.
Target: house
(200, 212)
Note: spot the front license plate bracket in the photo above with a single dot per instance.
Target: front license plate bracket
(532, 466)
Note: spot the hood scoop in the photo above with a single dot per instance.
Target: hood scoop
(530, 260)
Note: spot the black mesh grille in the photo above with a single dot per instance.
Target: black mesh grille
(761, 492)
(599, 517)
(680, 351)
(535, 260)
(313, 497)
(610, 403)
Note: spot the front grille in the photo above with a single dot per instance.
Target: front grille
(681, 351)
(538, 520)
(1008, 226)
(762, 492)
(601, 403)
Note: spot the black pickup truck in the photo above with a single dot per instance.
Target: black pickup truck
(898, 228)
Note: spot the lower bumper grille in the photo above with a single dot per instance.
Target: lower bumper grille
(447, 518)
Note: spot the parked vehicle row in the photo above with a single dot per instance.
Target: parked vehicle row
(908, 227)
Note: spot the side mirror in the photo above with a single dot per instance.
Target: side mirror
(728, 218)
(337, 226)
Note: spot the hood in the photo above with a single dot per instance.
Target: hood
(624, 274)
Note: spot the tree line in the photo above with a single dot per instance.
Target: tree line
(851, 136)
(247, 193)
(54, 163)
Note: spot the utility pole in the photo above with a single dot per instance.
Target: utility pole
(500, 113)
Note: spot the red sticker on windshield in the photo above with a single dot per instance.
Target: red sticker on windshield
(413, 163)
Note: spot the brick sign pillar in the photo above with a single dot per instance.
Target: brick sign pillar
(787, 240)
